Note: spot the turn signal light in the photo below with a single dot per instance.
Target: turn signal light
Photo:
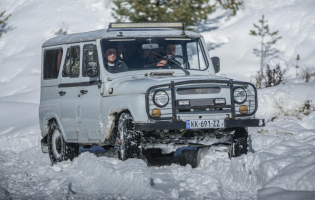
(243, 109)
(156, 112)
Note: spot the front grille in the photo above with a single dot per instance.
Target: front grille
(201, 102)
(197, 105)
(201, 90)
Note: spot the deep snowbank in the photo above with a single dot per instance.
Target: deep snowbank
(284, 159)
(288, 99)
(282, 167)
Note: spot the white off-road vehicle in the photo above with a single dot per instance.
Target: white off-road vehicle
(138, 86)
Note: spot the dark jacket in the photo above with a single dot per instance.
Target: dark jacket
(169, 64)
(119, 66)
(136, 62)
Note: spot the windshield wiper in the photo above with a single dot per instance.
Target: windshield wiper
(172, 61)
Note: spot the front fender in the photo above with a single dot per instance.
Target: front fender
(109, 106)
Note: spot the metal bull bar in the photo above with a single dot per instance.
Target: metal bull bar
(172, 85)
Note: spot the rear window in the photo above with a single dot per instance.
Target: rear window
(52, 61)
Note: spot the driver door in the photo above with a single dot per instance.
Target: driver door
(90, 96)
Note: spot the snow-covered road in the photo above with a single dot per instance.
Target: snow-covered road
(283, 165)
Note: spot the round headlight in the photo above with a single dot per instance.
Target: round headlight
(160, 98)
(240, 95)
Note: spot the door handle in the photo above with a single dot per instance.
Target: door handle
(62, 93)
(83, 91)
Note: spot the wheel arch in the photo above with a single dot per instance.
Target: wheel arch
(46, 125)
(111, 107)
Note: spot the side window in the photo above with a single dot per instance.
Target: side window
(202, 63)
(179, 50)
(89, 56)
(71, 67)
(195, 56)
(52, 61)
(66, 67)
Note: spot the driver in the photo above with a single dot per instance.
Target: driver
(169, 51)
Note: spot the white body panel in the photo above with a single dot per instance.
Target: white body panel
(89, 117)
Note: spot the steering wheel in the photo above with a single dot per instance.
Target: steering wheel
(177, 56)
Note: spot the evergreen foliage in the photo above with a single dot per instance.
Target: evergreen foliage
(187, 11)
(268, 40)
(232, 5)
(3, 24)
(297, 66)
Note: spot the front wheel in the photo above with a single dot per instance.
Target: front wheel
(58, 149)
(239, 142)
(128, 140)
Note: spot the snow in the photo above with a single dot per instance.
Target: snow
(282, 166)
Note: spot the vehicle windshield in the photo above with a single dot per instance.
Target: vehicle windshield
(129, 54)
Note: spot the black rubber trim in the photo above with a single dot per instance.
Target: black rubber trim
(243, 122)
(160, 126)
(173, 101)
(77, 84)
(201, 107)
(182, 125)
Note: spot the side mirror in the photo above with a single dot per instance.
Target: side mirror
(216, 64)
(92, 69)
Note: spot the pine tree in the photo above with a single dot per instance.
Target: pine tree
(232, 5)
(297, 66)
(268, 40)
(3, 24)
(187, 11)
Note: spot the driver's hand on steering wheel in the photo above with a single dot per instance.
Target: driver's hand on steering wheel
(162, 63)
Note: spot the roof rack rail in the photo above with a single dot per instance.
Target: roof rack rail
(136, 25)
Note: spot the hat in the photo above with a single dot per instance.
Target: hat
(110, 46)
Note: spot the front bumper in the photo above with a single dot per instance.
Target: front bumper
(182, 125)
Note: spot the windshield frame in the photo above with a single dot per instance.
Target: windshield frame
(198, 40)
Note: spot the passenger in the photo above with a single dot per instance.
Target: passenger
(111, 63)
(140, 59)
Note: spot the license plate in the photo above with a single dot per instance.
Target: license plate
(197, 124)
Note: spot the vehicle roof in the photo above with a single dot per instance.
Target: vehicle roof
(98, 34)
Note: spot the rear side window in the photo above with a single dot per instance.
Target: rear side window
(89, 55)
(71, 67)
(52, 61)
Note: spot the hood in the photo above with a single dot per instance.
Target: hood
(134, 85)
